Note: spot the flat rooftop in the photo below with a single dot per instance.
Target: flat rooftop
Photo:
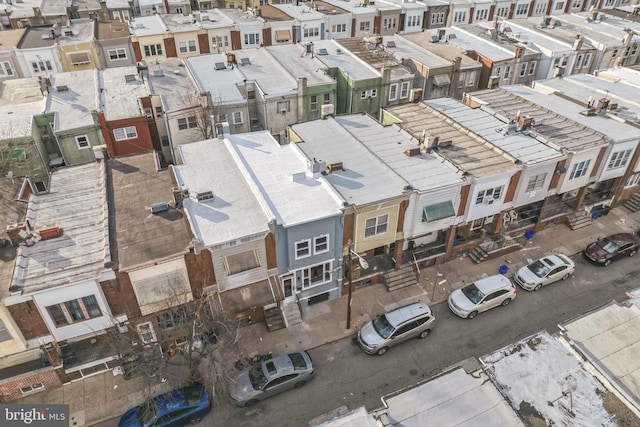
(76, 203)
(20, 99)
(80, 30)
(419, 46)
(222, 84)
(367, 51)
(529, 33)
(10, 209)
(272, 78)
(555, 127)
(123, 89)
(234, 212)
(298, 64)
(527, 149)
(170, 80)
(10, 39)
(477, 38)
(36, 37)
(74, 105)
(336, 57)
(141, 236)
(150, 25)
(469, 153)
(110, 30)
(277, 175)
(364, 178)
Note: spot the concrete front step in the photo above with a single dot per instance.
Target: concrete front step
(398, 279)
(633, 204)
(579, 220)
(274, 319)
(292, 313)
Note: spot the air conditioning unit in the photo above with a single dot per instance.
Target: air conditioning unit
(415, 94)
(326, 110)
(283, 111)
(489, 200)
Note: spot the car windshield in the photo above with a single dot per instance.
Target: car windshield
(146, 412)
(474, 294)
(192, 395)
(257, 378)
(607, 245)
(297, 361)
(382, 326)
(538, 268)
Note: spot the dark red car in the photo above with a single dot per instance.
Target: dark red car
(606, 249)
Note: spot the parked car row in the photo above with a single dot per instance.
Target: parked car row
(272, 375)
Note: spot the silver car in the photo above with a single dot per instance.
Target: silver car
(482, 295)
(270, 377)
(546, 270)
(396, 326)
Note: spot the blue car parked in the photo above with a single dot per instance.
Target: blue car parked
(186, 405)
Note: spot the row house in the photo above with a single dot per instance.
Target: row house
(114, 45)
(21, 14)
(105, 10)
(363, 17)
(488, 176)
(504, 61)
(336, 22)
(9, 68)
(411, 18)
(444, 69)
(282, 27)
(375, 198)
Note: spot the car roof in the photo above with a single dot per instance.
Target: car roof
(407, 312)
(556, 260)
(174, 399)
(281, 365)
(491, 283)
(622, 238)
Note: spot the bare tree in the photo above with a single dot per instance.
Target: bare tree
(203, 107)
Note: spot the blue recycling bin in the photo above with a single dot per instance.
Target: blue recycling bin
(529, 234)
(503, 269)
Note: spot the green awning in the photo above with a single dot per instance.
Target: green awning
(438, 211)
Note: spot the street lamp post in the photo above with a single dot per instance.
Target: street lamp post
(364, 264)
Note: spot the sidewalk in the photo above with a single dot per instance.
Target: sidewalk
(104, 396)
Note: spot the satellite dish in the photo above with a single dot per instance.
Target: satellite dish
(10, 174)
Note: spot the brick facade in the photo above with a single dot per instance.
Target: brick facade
(28, 319)
(120, 296)
(10, 390)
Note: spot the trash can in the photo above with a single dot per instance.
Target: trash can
(529, 234)
(503, 269)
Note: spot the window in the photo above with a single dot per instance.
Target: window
(82, 142)
(507, 72)
(179, 10)
(152, 50)
(372, 93)
(219, 42)
(125, 133)
(377, 225)
(4, 333)
(579, 169)
(31, 388)
(609, 3)
(536, 182)
(497, 71)
(404, 90)
(146, 333)
(634, 50)
(237, 118)
(633, 180)
(482, 14)
(284, 106)
(321, 244)
(559, 5)
(522, 9)
(339, 28)
(158, 111)
(40, 66)
(75, 310)
(461, 80)
(393, 92)
(5, 69)
(619, 159)
(365, 26)
(187, 46)
(327, 98)
(115, 54)
(222, 118)
(460, 17)
(173, 319)
(587, 60)
(311, 32)
(251, 39)
(389, 23)
(314, 103)
(316, 275)
(502, 12)
(532, 67)
(615, 52)
(243, 261)
(437, 18)
(414, 21)
(579, 59)
(472, 78)
(303, 249)
(523, 69)
(488, 196)
(187, 123)
(577, 4)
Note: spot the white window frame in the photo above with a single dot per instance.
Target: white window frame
(501, 12)
(81, 140)
(41, 66)
(522, 9)
(313, 103)
(31, 388)
(460, 17)
(311, 32)
(365, 26)
(532, 67)
(117, 54)
(437, 18)
(339, 28)
(462, 79)
(142, 334)
(152, 50)
(507, 72)
(472, 78)
(316, 244)
(579, 169)
(237, 117)
(187, 46)
(300, 252)
(185, 123)
(536, 182)
(251, 39)
(378, 221)
(482, 14)
(404, 90)
(494, 193)
(6, 69)
(633, 180)
(619, 159)
(121, 134)
(393, 92)
(327, 272)
(523, 69)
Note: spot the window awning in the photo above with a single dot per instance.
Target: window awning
(441, 80)
(438, 211)
(283, 35)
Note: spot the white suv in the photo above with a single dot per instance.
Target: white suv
(396, 326)
(481, 295)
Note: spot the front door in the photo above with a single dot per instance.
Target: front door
(288, 288)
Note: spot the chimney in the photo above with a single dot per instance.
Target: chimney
(603, 103)
(577, 44)
(519, 51)
(524, 122)
(18, 232)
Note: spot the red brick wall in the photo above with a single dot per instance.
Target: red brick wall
(10, 390)
(28, 319)
(200, 271)
(120, 296)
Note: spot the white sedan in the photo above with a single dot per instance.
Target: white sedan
(544, 271)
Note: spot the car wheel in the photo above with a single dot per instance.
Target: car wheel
(566, 276)
(506, 302)
(538, 286)
(472, 315)
(300, 384)
(424, 333)
(633, 252)
(251, 402)
(382, 351)
(607, 262)
(195, 421)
